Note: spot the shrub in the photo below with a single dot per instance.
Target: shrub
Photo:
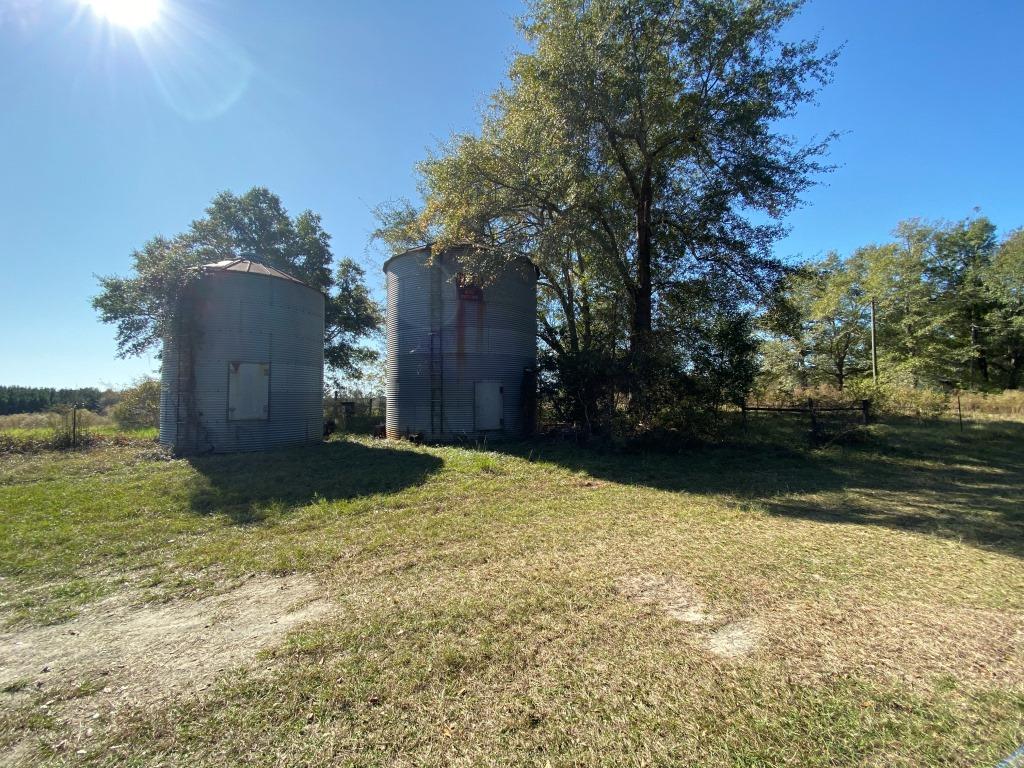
(901, 400)
(71, 428)
(821, 394)
(139, 406)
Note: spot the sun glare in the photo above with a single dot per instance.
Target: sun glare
(130, 14)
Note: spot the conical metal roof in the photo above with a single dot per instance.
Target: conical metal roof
(252, 268)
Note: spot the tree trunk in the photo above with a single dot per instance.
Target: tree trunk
(1016, 366)
(980, 360)
(584, 302)
(642, 294)
(569, 310)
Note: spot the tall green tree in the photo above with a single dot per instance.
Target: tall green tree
(634, 143)
(252, 226)
(962, 253)
(911, 318)
(949, 305)
(827, 341)
(1003, 284)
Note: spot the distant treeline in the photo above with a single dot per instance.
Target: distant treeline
(947, 300)
(36, 399)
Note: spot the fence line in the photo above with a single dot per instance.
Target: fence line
(863, 409)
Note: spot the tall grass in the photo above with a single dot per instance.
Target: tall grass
(34, 432)
(50, 420)
(896, 400)
(1009, 403)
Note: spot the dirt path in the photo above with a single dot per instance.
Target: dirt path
(125, 656)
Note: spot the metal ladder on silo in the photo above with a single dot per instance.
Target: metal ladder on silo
(436, 357)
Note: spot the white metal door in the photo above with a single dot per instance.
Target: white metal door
(489, 405)
(248, 391)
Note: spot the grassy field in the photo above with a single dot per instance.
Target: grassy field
(101, 430)
(745, 605)
(36, 439)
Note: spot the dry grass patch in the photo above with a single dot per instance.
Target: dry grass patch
(117, 656)
(920, 644)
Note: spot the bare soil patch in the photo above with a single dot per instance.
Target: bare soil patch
(683, 602)
(678, 599)
(124, 656)
(736, 639)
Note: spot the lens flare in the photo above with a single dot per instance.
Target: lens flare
(130, 14)
(199, 70)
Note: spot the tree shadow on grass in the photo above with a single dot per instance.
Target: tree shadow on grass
(250, 487)
(924, 477)
(931, 479)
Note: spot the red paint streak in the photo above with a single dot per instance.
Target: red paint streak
(460, 331)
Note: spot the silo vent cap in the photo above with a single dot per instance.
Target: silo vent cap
(249, 267)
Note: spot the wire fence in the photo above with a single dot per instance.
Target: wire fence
(825, 422)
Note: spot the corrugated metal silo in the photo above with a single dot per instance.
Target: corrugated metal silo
(243, 367)
(461, 358)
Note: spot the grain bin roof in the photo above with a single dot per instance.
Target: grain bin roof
(428, 248)
(419, 249)
(250, 267)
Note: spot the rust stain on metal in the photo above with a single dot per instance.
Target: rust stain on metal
(460, 331)
(470, 299)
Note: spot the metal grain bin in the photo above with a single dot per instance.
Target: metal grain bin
(243, 367)
(461, 358)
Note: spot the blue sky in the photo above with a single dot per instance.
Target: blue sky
(109, 138)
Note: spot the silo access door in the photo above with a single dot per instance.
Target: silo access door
(489, 397)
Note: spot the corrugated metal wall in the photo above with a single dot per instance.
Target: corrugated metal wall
(440, 344)
(230, 317)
